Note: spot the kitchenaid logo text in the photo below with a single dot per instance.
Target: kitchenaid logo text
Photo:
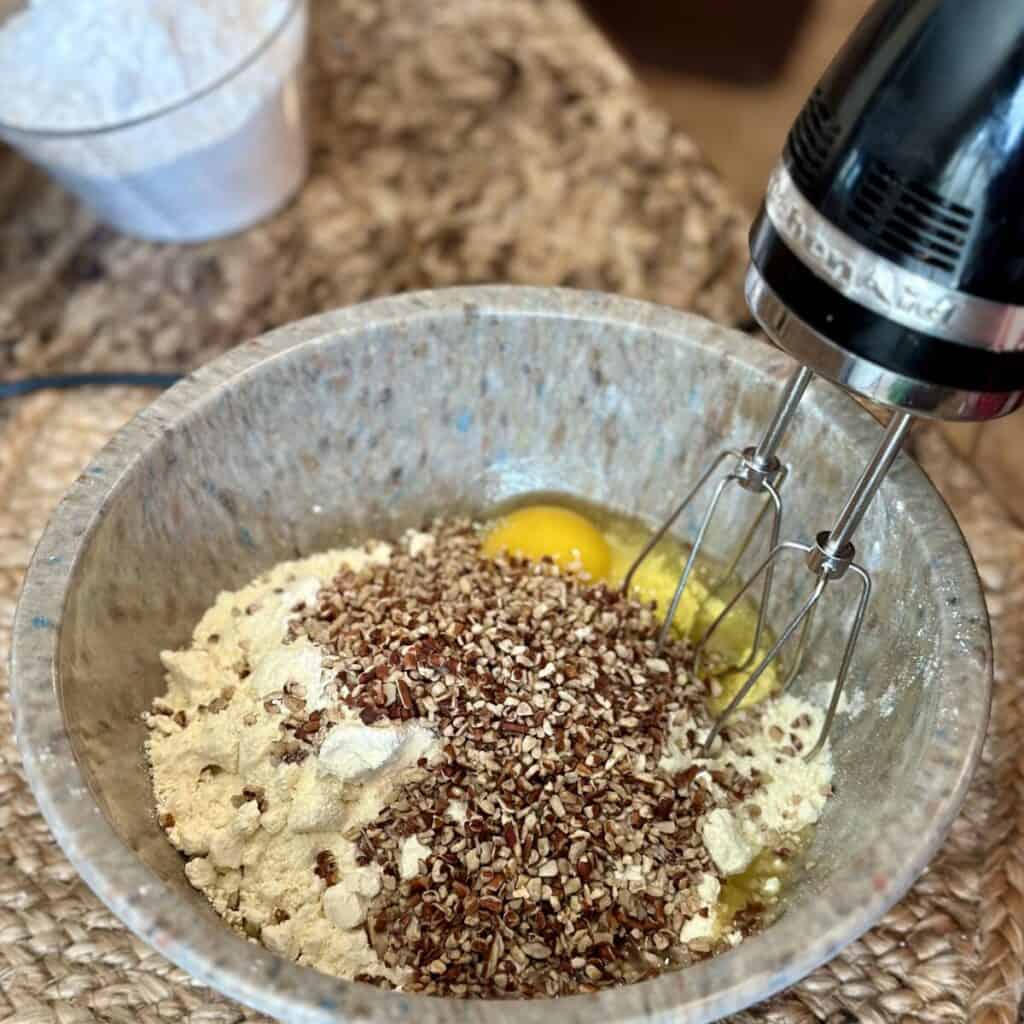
(856, 272)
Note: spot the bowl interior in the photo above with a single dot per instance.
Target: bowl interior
(360, 423)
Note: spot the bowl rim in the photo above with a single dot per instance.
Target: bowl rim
(252, 975)
(108, 128)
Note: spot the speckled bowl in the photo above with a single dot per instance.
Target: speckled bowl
(361, 421)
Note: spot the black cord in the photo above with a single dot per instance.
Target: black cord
(67, 381)
(63, 382)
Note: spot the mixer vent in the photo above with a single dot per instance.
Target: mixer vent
(810, 141)
(901, 218)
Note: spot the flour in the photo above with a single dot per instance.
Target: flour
(345, 903)
(353, 752)
(723, 836)
(68, 65)
(297, 807)
(887, 702)
(413, 854)
(204, 164)
(793, 792)
(267, 838)
(856, 704)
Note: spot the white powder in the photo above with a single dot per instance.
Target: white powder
(299, 662)
(198, 170)
(887, 702)
(856, 704)
(703, 924)
(708, 890)
(72, 65)
(254, 825)
(410, 856)
(725, 842)
(345, 904)
(820, 695)
(793, 792)
(354, 752)
(418, 542)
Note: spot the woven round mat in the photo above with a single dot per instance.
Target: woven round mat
(950, 952)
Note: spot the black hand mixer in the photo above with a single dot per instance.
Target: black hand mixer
(887, 258)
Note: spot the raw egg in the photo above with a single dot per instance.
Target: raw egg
(570, 538)
(559, 533)
(656, 579)
(732, 640)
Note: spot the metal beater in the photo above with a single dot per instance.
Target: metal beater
(886, 259)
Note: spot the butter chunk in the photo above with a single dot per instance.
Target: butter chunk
(725, 842)
(353, 752)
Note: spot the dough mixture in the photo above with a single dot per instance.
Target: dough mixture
(431, 769)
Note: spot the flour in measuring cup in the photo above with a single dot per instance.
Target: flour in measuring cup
(68, 65)
(177, 120)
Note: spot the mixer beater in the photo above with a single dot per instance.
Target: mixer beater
(757, 469)
(885, 259)
(829, 558)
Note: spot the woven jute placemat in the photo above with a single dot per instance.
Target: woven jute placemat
(951, 951)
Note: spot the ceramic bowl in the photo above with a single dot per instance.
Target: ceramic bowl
(364, 421)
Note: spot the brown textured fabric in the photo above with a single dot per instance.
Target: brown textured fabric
(456, 141)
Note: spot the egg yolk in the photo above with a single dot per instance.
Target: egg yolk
(732, 640)
(656, 579)
(539, 531)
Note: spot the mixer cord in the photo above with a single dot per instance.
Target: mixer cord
(68, 381)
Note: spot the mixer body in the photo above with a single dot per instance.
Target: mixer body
(888, 255)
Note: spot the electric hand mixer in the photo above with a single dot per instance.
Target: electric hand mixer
(888, 258)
